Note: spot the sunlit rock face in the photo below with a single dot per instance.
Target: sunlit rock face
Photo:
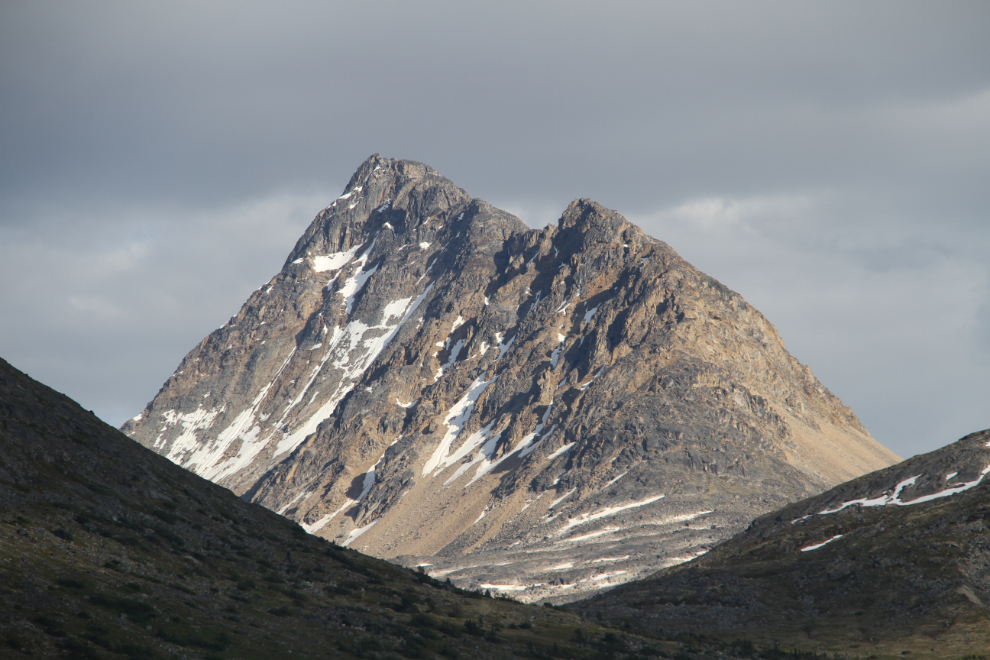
(540, 412)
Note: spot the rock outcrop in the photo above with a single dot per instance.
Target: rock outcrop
(537, 412)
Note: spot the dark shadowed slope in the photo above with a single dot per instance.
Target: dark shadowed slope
(897, 560)
(108, 550)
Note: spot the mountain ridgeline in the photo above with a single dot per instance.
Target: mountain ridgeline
(539, 412)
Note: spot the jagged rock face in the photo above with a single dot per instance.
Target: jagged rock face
(895, 562)
(545, 412)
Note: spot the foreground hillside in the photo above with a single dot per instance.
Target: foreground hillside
(108, 550)
(540, 412)
(896, 562)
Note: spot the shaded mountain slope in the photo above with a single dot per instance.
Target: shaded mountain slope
(897, 561)
(538, 412)
(108, 550)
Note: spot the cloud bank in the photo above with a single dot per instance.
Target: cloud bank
(827, 161)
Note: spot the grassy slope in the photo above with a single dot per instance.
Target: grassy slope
(108, 550)
(902, 580)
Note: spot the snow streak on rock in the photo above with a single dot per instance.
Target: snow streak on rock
(354, 349)
(619, 370)
(455, 420)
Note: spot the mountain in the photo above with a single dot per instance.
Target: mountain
(896, 562)
(108, 550)
(538, 412)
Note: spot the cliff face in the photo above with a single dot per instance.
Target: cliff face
(542, 412)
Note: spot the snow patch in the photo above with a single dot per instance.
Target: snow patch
(199, 419)
(585, 537)
(611, 511)
(562, 498)
(294, 500)
(456, 418)
(353, 536)
(354, 284)
(883, 500)
(614, 480)
(454, 352)
(369, 481)
(356, 347)
(318, 525)
(524, 447)
(818, 545)
(335, 261)
(503, 348)
(243, 428)
(562, 450)
(481, 438)
(588, 384)
(895, 498)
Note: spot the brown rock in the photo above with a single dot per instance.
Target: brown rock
(428, 380)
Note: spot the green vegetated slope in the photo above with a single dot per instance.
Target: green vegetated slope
(108, 550)
(894, 563)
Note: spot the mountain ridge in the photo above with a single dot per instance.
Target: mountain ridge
(431, 381)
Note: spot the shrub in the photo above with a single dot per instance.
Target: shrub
(63, 534)
(71, 584)
(135, 610)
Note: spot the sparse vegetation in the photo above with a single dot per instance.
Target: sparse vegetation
(156, 563)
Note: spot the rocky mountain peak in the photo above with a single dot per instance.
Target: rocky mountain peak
(546, 412)
(597, 224)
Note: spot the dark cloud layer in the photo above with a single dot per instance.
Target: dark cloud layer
(828, 161)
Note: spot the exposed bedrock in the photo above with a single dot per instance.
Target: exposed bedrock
(542, 411)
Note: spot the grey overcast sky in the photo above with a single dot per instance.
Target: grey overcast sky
(828, 161)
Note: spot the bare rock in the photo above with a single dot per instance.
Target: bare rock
(539, 412)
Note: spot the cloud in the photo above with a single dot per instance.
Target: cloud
(106, 306)
(828, 161)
